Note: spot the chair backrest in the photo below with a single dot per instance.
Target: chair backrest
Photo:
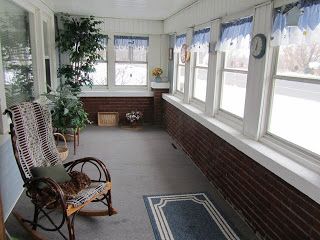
(32, 137)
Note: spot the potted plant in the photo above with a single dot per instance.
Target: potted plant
(67, 110)
(134, 117)
(81, 39)
(156, 72)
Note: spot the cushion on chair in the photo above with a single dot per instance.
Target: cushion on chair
(57, 173)
(76, 191)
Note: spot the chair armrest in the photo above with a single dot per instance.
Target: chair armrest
(101, 167)
(32, 186)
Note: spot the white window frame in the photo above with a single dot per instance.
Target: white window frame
(177, 57)
(193, 100)
(178, 64)
(37, 14)
(222, 114)
(130, 87)
(194, 55)
(49, 20)
(278, 143)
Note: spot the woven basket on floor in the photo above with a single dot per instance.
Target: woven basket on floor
(109, 119)
(63, 150)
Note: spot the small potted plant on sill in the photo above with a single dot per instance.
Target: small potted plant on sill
(134, 118)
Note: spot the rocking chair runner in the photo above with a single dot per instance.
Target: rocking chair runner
(34, 146)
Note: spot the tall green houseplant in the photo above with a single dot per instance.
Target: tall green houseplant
(81, 39)
(67, 110)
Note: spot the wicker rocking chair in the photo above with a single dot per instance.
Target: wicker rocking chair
(34, 146)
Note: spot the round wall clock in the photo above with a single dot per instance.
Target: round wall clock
(185, 56)
(258, 45)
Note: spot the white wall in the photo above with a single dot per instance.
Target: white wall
(133, 26)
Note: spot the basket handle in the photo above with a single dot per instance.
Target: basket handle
(63, 137)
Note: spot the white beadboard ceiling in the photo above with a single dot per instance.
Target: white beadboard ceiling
(129, 9)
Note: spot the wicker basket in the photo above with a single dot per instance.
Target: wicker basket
(63, 150)
(109, 119)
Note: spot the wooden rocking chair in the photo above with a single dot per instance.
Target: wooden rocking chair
(34, 146)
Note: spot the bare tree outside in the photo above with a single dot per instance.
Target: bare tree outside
(299, 60)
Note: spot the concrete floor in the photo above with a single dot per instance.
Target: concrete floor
(141, 163)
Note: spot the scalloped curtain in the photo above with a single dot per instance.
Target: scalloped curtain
(305, 29)
(180, 40)
(235, 35)
(201, 40)
(124, 42)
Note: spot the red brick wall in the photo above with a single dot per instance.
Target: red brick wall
(158, 105)
(93, 105)
(272, 207)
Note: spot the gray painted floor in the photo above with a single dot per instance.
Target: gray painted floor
(141, 163)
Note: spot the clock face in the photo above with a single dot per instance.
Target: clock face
(258, 46)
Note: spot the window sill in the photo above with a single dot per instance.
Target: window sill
(106, 93)
(305, 179)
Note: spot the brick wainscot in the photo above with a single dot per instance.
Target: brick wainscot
(271, 206)
(151, 107)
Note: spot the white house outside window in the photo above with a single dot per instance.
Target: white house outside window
(180, 66)
(294, 108)
(235, 44)
(131, 65)
(200, 49)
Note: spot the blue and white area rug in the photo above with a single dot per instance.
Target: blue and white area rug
(187, 217)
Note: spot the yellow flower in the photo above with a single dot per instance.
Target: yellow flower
(157, 72)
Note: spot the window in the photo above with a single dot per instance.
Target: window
(100, 76)
(46, 56)
(16, 53)
(180, 66)
(294, 107)
(200, 48)
(235, 45)
(131, 60)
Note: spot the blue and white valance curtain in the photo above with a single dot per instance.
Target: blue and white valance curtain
(201, 40)
(124, 42)
(297, 23)
(235, 34)
(180, 40)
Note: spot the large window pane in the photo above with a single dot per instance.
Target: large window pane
(99, 77)
(295, 114)
(233, 93)
(200, 84)
(131, 74)
(299, 60)
(139, 54)
(180, 78)
(122, 54)
(237, 59)
(103, 52)
(16, 53)
(202, 59)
